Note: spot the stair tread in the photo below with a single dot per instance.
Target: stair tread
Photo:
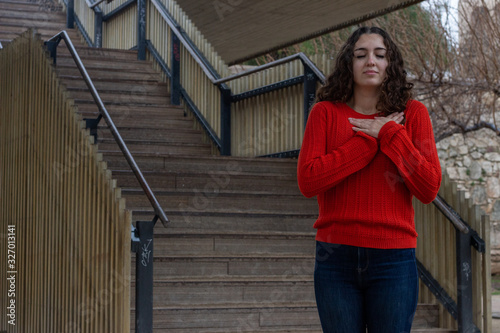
(228, 279)
(239, 306)
(211, 233)
(220, 193)
(207, 172)
(251, 305)
(234, 256)
(219, 212)
(152, 143)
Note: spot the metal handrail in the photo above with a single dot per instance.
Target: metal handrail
(275, 63)
(92, 5)
(450, 214)
(175, 28)
(119, 140)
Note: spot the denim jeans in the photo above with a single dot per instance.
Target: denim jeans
(363, 288)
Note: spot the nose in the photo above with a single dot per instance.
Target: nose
(371, 60)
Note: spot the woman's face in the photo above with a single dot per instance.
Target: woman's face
(369, 61)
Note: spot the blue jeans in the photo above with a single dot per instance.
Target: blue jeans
(363, 288)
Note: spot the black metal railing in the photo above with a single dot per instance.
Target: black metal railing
(142, 233)
(466, 237)
(310, 78)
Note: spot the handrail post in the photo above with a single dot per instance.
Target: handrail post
(97, 27)
(141, 29)
(225, 119)
(464, 283)
(175, 82)
(70, 14)
(52, 48)
(142, 244)
(309, 91)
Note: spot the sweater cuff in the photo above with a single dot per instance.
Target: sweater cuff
(387, 132)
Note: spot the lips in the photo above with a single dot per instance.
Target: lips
(371, 72)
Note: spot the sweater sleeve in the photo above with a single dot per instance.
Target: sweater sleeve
(319, 169)
(413, 150)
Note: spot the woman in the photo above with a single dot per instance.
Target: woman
(368, 149)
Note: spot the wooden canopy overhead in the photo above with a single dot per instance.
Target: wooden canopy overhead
(243, 29)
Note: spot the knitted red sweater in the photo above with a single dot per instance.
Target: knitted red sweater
(364, 185)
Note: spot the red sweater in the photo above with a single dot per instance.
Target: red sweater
(364, 185)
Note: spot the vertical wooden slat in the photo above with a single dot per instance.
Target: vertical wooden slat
(49, 176)
(486, 275)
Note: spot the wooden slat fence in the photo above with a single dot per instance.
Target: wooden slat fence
(120, 32)
(261, 125)
(86, 17)
(72, 232)
(436, 250)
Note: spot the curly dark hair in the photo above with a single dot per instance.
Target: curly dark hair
(395, 91)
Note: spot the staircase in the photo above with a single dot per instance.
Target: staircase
(238, 255)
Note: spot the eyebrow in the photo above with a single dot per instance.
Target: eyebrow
(365, 49)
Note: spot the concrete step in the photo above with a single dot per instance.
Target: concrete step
(44, 35)
(29, 6)
(140, 112)
(148, 88)
(219, 200)
(206, 181)
(110, 65)
(203, 244)
(38, 15)
(244, 318)
(149, 162)
(99, 53)
(50, 31)
(229, 294)
(17, 28)
(100, 73)
(206, 221)
(279, 318)
(158, 147)
(6, 21)
(140, 116)
(175, 266)
(154, 135)
(119, 98)
(164, 123)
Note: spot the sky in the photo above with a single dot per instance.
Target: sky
(453, 4)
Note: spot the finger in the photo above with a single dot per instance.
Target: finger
(396, 115)
(360, 122)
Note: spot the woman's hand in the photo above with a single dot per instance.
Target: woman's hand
(372, 126)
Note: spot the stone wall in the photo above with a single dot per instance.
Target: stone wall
(473, 161)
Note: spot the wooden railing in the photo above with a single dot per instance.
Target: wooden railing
(437, 251)
(260, 125)
(70, 242)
